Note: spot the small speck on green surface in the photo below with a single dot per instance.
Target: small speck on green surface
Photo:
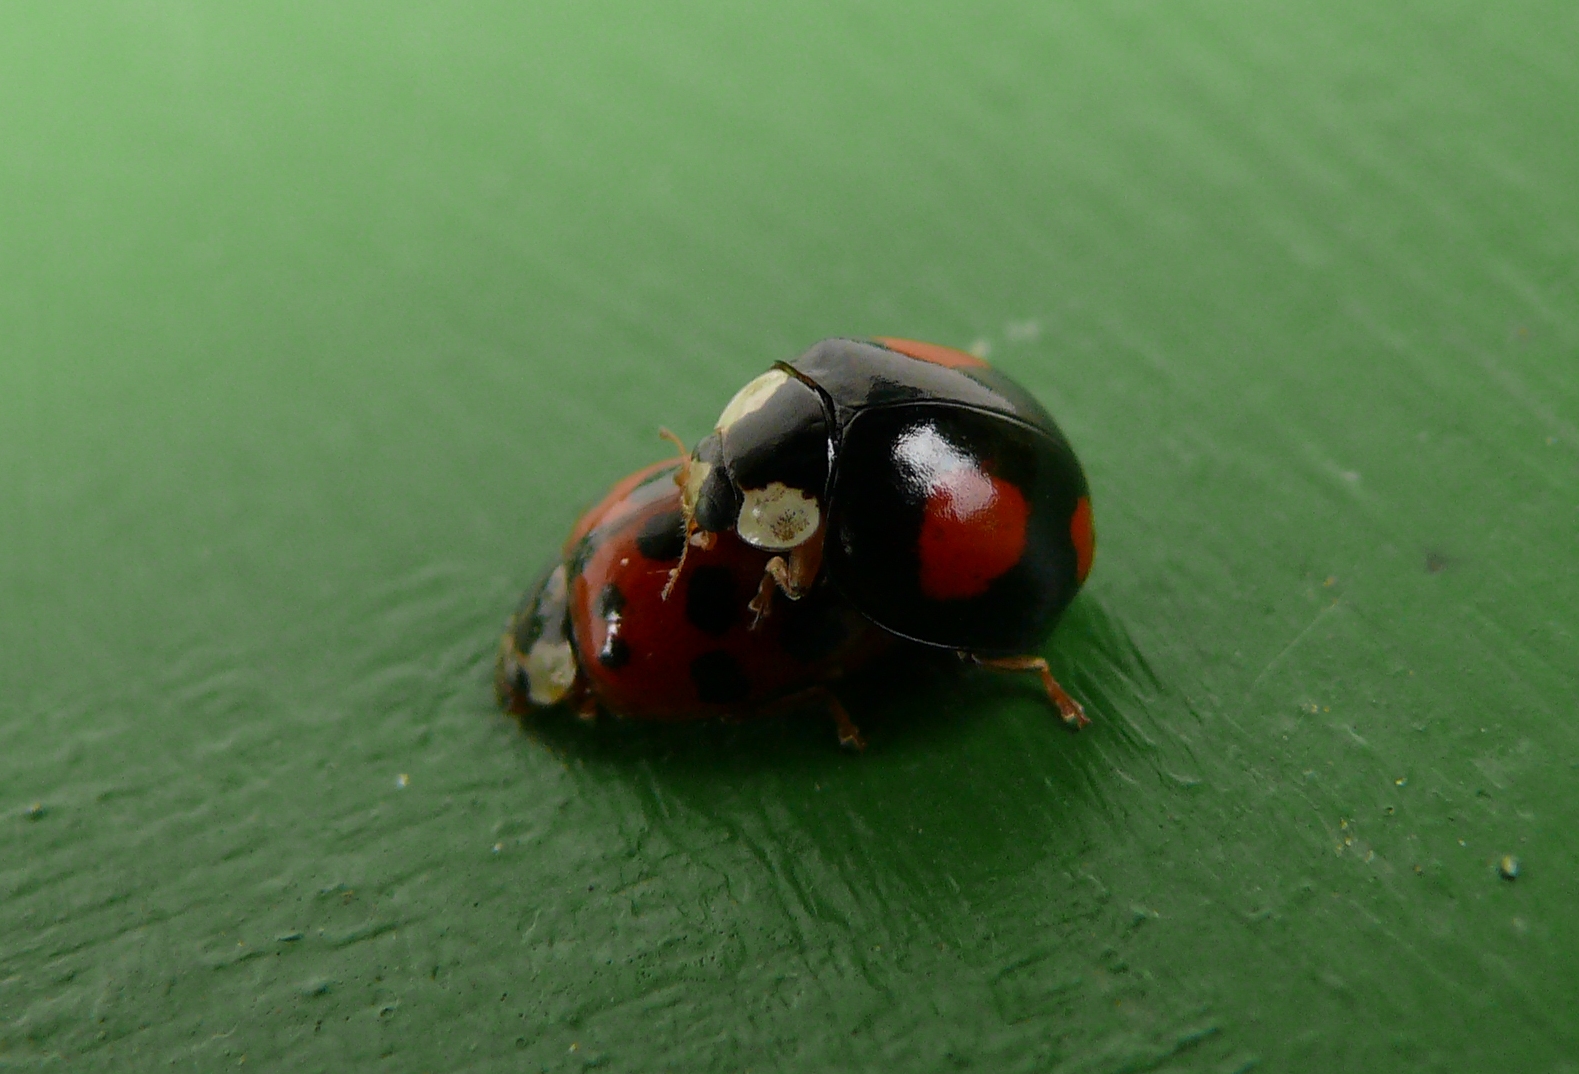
(320, 324)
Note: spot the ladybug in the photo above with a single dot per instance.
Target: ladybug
(925, 487)
(891, 492)
(605, 627)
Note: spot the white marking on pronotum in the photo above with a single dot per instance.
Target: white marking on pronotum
(777, 518)
(550, 672)
(751, 397)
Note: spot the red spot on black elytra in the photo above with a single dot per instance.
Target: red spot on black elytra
(932, 352)
(972, 533)
(1084, 538)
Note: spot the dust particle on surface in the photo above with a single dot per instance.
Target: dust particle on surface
(1435, 562)
(1508, 867)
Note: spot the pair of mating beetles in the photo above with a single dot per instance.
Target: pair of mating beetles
(865, 495)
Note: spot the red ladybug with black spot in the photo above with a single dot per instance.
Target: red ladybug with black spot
(605, 628)
(910, 488)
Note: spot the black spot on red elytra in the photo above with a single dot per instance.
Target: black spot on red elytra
(662, 537)
(718, 679)
(610, 601)
(615, 653)
(710, 603)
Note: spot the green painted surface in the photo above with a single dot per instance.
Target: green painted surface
(319, 323)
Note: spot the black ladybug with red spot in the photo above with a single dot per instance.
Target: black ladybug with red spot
(863, 494)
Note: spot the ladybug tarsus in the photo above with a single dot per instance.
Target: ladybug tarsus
(793, 578)
(762, 604)
(1074, 715)
(850, 736)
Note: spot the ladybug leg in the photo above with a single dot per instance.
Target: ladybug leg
(778, 575)
(804, 563)
(1068, 707)
(793, 577)
(850, 736)
(762, 603)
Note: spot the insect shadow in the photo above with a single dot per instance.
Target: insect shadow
(912, 700)
(964, 765)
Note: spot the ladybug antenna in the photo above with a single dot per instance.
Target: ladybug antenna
(674, 573)
(680, 477)
(685, 455)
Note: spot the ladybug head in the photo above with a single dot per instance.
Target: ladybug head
(763, 472)
(537, 665)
